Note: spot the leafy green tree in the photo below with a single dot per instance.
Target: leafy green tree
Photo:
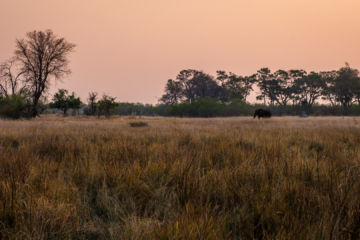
(264, 78)
(205, 107)
(125, 108)
(270, 87)
(173, 92)
(346, 84)
(200, 107)
(192, 84)
(187, 84)
(248, 82)
(281, 87)
(63, 101)
(328, 93)
(237, 86)
(206, 87)
(308, 88)
(197, 84)
(105, 104)
(356, 91)
(232, 83)
(294, 76)
(12, 106)
(342, 86)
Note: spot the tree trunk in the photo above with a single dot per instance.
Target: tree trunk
(264, 100)
(344, 104)
(34, 112)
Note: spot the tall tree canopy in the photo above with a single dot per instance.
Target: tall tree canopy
(308, 88)
(192, 84)
(346, 85)
(173, 92)
(267, 85)
(43, 57)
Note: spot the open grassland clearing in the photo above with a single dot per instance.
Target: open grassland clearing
(219, 178)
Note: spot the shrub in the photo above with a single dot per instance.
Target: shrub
(12, 106)
(138, 124)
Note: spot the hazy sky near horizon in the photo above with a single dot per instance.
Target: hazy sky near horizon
(130, 48)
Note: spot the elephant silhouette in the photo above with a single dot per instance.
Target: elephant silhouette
(262, 113)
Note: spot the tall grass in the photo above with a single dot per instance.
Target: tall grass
(224, 178)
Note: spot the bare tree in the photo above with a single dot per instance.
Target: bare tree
(12, 80)
(43, 57)
(92, 102)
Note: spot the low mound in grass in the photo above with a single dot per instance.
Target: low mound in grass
(138, 124)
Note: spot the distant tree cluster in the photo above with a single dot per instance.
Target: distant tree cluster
(101, 107)
(63, 101)
(192, 84)
(42, 58)
(280, 88)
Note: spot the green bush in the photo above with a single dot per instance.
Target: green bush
(12, 106)
(207, 107)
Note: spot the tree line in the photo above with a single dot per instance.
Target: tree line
(64, 101)
(279, 88)
(42, 58)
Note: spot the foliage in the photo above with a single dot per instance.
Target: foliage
(264, 81)
(308, 87)
(63, 101)
(192, 84)
(233, 85)
(12, 106)
(105, 104)
(346, 85)
(201, 107)
(278, 88)
(173, 92)
(15, 106)
(92, 103)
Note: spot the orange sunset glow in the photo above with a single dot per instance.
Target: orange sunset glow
(129, 49)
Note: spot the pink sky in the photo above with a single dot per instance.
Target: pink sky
(130, 48)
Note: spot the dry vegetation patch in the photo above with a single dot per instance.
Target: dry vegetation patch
(239, 178)
(138, 124)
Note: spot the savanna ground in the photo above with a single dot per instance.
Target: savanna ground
(220, 178)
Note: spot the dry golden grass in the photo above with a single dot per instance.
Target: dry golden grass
(219, 178)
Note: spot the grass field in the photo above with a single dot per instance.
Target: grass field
(219, 178)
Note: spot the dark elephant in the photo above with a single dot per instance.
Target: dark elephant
(262, 113)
